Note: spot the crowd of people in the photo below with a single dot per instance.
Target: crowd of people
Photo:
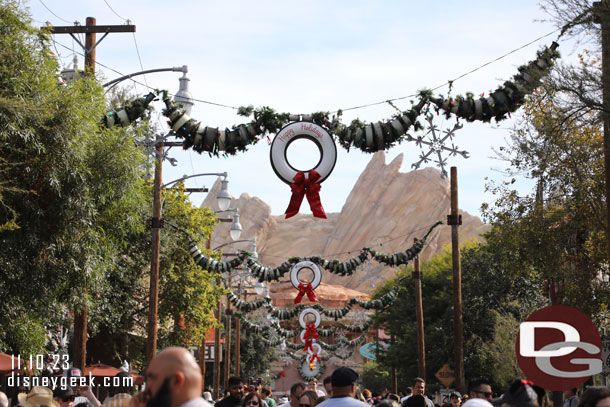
(173, 379)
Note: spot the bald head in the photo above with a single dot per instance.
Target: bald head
(3, 400)
(178, 366)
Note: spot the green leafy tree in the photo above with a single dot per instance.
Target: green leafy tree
(492, 298)
(557, 231)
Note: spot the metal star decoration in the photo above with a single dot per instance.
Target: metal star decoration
(436, 145)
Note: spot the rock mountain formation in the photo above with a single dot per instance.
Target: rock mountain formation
(385, 207)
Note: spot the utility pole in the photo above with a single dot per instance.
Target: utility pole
(393, 378)
(237, 345)
(90, 29)
(419, 315)
(217, 349)
(227, 360)
(156, 225)
(455, 220)
(79, 358)
(602, 16)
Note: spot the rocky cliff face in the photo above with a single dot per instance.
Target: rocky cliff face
(385, 207)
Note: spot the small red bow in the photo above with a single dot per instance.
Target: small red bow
(313, 357)
(305, 289)
(282, 374)
(310, 187)
(308, 345)
(525, 381)
(310, 331)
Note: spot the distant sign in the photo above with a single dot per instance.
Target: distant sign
(369, 350)
(445, 375)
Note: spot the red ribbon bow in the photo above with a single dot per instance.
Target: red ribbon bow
(305, 289)
(310, 331)
(525, 381)
(282, 374)
(308, 345)
(310, 187)
(314, 357)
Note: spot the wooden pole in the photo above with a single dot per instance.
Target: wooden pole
(393, 372)
(237, 340)
(419, 314)
(602, 16)
(79, 357)
(454, 219)
(90, 47)
(153, 302)
(217, 349)
(227, 361)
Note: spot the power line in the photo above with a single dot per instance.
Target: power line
(380, 102)
(117, 14)
(45, 6)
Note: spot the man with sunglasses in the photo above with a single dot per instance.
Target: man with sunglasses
(173, 379)
(480, 389)
(65, 397)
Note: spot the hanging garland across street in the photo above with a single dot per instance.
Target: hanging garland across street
(372, 137)
(284, 314)
(247, 306)
(264, 273)
(507, 98)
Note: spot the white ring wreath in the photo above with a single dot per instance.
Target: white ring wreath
(299, 130)
(305, 264)
(304, 313)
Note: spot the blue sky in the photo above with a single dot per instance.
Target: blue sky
(302, 57)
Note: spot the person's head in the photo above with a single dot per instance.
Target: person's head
(313, 384)
(122, 380)
(308, 398)
(521, 393)
(173, 377)
(328, 386)
(367, 394)
(38, 396)
(392, 396)
(455, 399)
(236, 387)
(343, 381)
(419, 387)
(266, 392)
(388, 403)
(73, 372)
(409, 391)
(252, 399)
(569, 393)
(3, 400)
(64, 397)
(595, 397)
(295, 393)
(416, 400)
(480, 389)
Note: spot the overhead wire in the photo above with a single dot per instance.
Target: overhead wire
(117, 14)
(447, 83)
(50, 11)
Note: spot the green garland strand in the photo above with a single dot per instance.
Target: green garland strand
(377, 304)
(131, 111)
(342, 268)
(372, 137)
(245, 305)
(507, 98)
(264, 273)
